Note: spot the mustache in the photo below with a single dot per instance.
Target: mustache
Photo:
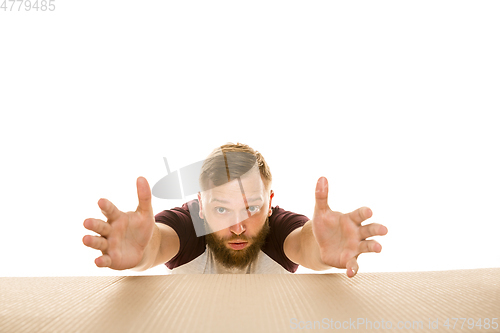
(237, 238)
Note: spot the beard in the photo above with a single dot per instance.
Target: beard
(230, 258)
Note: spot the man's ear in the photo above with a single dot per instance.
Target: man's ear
(270, 200)
(201, 206)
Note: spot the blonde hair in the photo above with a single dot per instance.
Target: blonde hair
(240, 157)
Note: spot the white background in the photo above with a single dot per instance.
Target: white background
(396, 103)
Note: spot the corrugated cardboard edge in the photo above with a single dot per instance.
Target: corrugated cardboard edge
(250, 303)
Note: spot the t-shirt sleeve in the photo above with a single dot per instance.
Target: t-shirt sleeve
(190, 246)
(281, 224)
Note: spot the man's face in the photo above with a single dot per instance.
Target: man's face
(238, 214)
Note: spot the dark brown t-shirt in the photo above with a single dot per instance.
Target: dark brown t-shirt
(281, 224)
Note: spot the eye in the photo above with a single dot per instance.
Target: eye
(253, 209)
(220, 210)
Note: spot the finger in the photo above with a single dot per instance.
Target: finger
(95, 242)
(103, 261)
(352, 267)
(108, 209)
(369, 246)
(322, 194)
(144, 195)
(360, 214)
(99, 226)
(372, 229)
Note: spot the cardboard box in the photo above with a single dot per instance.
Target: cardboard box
(370, 302)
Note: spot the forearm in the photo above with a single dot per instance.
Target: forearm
(310, 253)
(150, 252)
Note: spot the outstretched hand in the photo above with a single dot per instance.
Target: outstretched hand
(124, 236)
(341, 237)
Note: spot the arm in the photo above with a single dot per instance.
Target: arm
(162, 247)
(302, 248)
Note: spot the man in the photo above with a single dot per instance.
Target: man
(244, 233)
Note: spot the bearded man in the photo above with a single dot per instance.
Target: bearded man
(242, 231)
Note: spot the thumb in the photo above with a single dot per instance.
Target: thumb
(144, 194)
(321, 194)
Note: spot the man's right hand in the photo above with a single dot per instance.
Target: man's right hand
(124, 236)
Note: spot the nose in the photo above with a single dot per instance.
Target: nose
(238, 229)
(236, 222)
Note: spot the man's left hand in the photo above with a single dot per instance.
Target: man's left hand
(341, 237)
